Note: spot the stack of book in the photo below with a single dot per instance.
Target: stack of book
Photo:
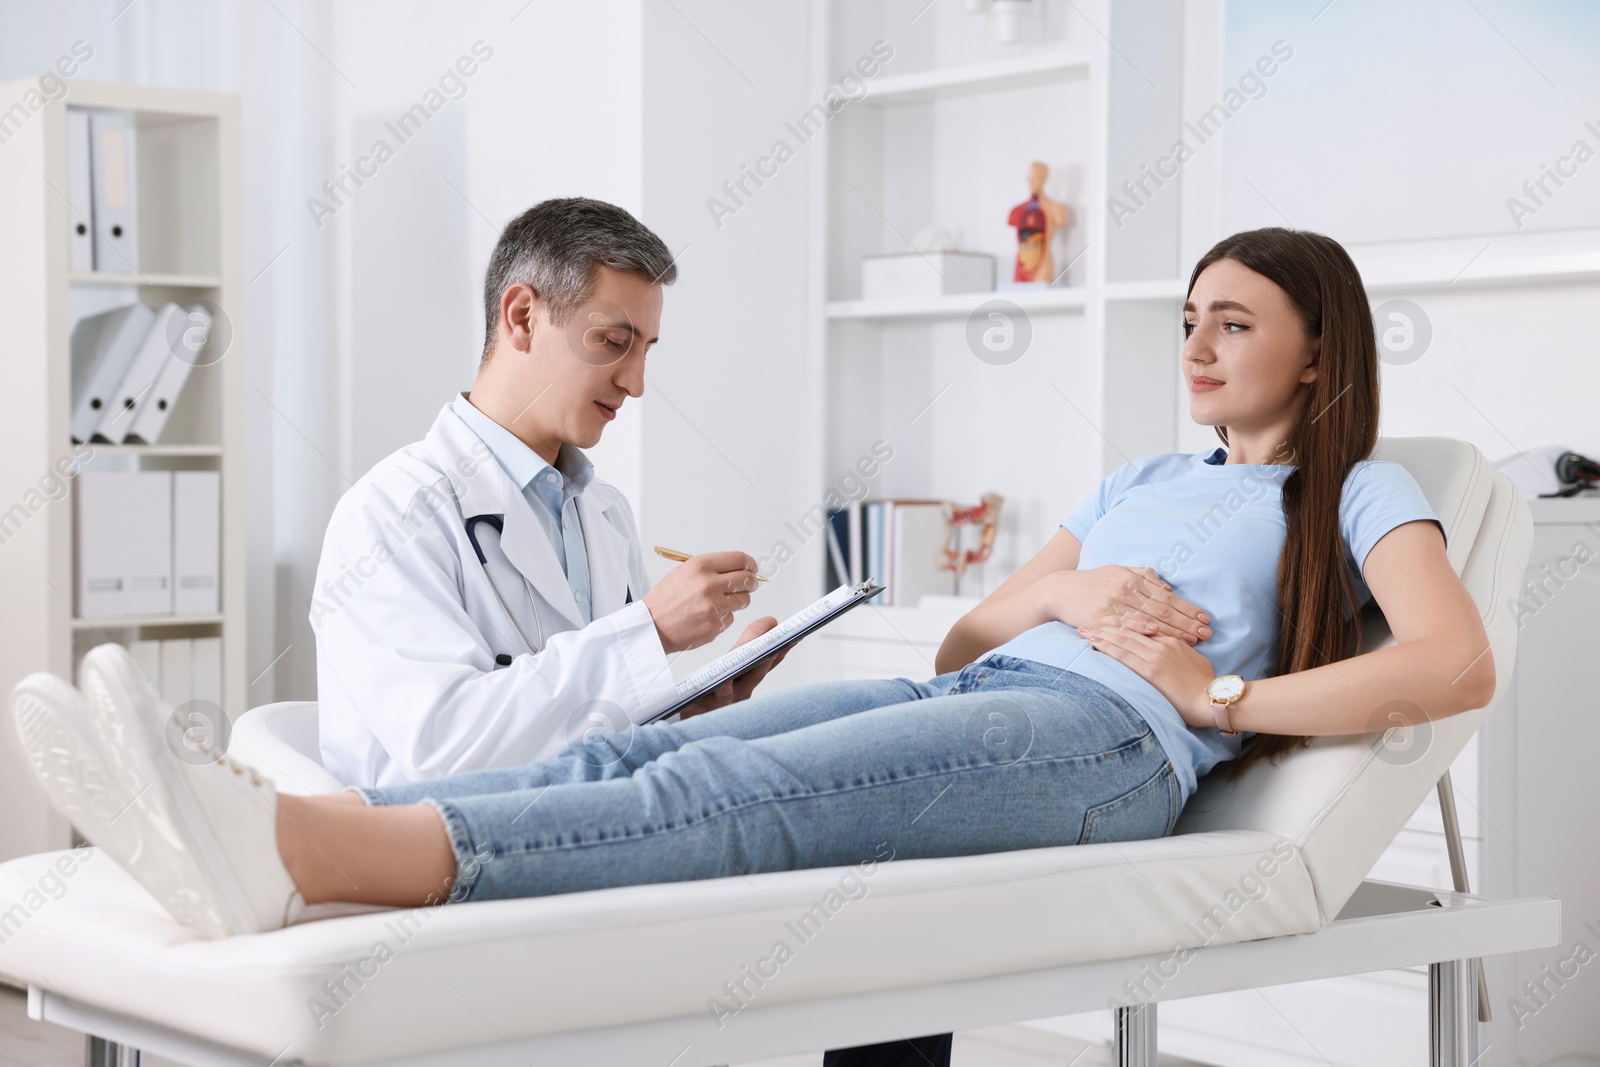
(128, 366)
(899, 543)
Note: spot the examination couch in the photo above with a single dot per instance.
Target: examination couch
(1262, 883)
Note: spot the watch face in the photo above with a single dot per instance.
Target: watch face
(1226, 688)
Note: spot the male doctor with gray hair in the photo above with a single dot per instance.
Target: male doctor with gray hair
(481, 600)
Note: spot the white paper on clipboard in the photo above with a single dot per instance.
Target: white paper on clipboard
(726, 668)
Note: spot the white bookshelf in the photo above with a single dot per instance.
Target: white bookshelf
(943, 138)
(189, 233)
(1031, 67)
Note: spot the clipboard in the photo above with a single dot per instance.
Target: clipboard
(746, 657)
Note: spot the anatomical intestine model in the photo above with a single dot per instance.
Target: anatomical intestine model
(986, 516)
(1036, 220)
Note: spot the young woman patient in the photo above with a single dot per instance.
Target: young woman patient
(1078, 703)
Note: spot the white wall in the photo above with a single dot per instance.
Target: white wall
(728, 420)
(1418, 122)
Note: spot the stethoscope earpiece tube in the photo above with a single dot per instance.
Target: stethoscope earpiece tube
(483, 561)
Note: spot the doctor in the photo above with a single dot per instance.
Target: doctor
(481, 599)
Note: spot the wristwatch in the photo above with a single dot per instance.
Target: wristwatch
(1223, 690)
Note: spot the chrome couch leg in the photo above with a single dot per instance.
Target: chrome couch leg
(98, 1052)
(1136, 1036)
(1453, 1013)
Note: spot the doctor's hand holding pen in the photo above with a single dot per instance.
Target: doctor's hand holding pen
(695, 603)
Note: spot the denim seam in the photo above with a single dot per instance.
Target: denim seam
(1174, 787)
(706, 817)
(461, 844)
(1092, 815)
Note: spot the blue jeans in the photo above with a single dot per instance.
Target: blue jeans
(1004, 754)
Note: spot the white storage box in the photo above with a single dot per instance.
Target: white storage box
(913, 274)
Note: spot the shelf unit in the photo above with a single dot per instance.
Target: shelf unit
(189, 225)
(947, 143)
(1023, 71)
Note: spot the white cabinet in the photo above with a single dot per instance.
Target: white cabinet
(1543, 819)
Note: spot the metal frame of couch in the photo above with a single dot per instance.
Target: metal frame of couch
(1337, 804)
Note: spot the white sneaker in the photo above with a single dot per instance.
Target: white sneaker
(202, 836)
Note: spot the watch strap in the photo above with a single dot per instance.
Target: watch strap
(1219, 711)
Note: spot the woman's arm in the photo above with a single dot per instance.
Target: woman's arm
(1020, 603)
(1439, 666)
(1050, 587)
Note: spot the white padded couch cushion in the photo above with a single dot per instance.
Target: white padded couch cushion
(616, 956)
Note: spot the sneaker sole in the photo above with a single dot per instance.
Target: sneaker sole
(94, 794)
(121, 700)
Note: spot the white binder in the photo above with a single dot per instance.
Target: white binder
(147, 655)
(207, 670)
(103, 348)
(124, 543)
(187, 337)
(196, 537)
(177, 671)
(113, 174)
(155, 352)
(80, 193)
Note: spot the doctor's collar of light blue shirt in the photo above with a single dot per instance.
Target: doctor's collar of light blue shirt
(521, 463)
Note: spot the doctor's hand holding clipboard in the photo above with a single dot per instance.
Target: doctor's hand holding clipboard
(695, 603)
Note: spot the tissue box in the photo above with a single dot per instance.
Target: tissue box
(913, 274)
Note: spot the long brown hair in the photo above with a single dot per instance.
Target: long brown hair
(1318, 623)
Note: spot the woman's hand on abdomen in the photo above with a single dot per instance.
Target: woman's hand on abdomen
(1134, 597)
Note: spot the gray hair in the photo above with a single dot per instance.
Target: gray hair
(555, 247)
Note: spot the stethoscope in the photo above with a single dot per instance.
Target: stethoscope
(483, 561)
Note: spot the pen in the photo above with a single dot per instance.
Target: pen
(681, 557)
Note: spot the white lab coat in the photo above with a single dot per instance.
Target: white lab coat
(408, 628)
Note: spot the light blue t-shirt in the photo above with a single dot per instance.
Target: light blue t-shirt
(1214, 531)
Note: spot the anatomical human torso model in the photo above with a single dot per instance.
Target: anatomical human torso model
(1037, 219)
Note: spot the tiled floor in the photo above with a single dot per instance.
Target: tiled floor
(23, 1041)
